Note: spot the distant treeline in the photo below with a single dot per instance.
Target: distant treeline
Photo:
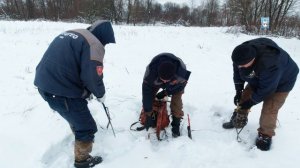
(246, 13)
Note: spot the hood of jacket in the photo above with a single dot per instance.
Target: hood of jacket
(103, 31)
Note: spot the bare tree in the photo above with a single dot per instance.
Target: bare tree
(212, 7)
(119, 8)
(157, 12)
(42, 5)
(30, 7)
(281, 13)
(138, 11)
(129, 11)
(148, 10)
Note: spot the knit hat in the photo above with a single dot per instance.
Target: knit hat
(243, 54)
(166, 70)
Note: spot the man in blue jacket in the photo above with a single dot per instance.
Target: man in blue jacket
(168, 72)
(271, 74)
(70, 70)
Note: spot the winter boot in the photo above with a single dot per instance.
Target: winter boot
(263, 142)
(241, 118)
(89, 162)
(175, 126)
(82, 157)
(229, 125)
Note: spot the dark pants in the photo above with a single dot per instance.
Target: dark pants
(76, 112)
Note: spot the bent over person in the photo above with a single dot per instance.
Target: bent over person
(271, 74)
(70, 70)
(168, 72)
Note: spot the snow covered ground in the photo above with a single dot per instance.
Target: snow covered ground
(33, 136)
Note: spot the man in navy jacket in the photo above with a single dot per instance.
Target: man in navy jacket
(168, 72)
(70, 70)
(271, 74)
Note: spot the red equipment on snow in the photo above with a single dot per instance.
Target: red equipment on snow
(160, 115)
(189, 127)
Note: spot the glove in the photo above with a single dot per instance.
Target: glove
(149, 121)
(102, 99)
(160, 95)
(247, 104)
(237, 97)
(90, 97)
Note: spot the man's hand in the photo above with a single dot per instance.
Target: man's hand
(247, 104)
(102, 99)
(90, 97)
(160, 95)
(237, 97)
(149, 120)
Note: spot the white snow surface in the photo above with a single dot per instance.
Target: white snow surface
(33, 136)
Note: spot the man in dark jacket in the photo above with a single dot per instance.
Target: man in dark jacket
(70, 70)
(271, 74)
(168, 72)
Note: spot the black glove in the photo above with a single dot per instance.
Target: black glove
(237, 97)
(160, 95)
(149, 121)
(247, 104)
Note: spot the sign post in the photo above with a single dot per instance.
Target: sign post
(265, 24)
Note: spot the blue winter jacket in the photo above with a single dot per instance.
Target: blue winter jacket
(152, 83)
(73, 63)
(273, 70)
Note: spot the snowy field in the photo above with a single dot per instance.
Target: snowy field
(33, 136)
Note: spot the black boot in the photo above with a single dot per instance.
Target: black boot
(263, 142)
(175, 126)
(229, 125)
(89, 162)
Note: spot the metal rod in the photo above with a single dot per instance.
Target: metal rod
(109, 119)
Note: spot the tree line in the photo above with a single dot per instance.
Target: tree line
(245, 13)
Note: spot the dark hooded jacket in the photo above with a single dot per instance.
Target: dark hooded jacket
(73, 63)
(273, 70)
(104, 33)
(152, 82)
